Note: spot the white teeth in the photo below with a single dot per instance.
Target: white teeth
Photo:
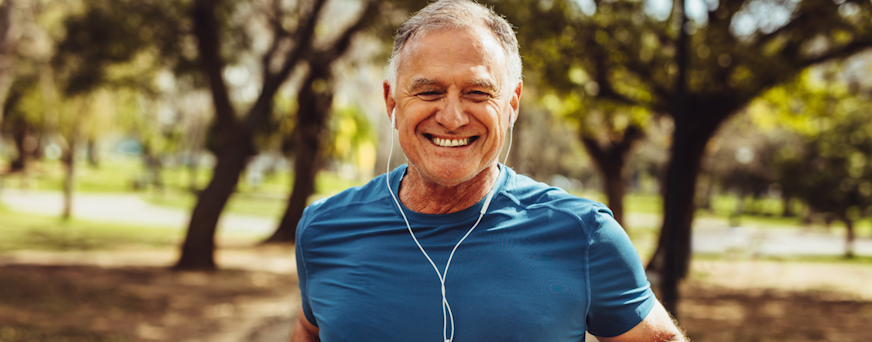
(450, 142)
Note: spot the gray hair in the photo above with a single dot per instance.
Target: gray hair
(456, 14)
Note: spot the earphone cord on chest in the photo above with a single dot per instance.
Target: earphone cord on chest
(447, 316)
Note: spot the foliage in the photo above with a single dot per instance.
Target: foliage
(832, 124)
(99, 47)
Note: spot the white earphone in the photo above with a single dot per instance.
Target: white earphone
(447, 315)
(513, 118)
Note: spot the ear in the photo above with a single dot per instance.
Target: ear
(515, 102)
(390, 103)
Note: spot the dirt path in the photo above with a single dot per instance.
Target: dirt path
(133, 296)
(126, 208)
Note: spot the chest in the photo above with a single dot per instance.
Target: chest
(505, 282)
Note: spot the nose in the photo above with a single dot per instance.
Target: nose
(452, 116)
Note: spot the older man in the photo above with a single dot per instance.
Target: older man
(456, 245)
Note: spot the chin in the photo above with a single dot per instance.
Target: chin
(445, 175)
(451, 174)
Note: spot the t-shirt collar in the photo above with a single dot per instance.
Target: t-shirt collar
(470, 213)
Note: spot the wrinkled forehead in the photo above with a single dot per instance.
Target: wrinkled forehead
(477, 38)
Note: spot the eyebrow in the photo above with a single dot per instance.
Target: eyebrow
(484, 83)
(479, 82)
(423, 81)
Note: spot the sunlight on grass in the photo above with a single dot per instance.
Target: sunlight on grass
(268, 198)
(30, 232)
(261, 202)
(240, 203)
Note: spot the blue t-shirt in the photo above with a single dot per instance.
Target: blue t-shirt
(543, 265)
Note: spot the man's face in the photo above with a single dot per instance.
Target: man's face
(453, 103)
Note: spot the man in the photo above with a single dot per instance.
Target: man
(527, 262)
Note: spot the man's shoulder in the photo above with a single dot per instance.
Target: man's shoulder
(372, 191)
(532, 194)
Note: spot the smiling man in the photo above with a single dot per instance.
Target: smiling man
(456, 246)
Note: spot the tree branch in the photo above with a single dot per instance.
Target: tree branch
(208, 48)
(344, 41)
(839, 53)
(279, 33)
(272, 83)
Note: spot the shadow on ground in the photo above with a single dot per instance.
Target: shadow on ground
(89, 303)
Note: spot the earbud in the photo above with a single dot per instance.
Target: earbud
(513, 118)
(394, 118)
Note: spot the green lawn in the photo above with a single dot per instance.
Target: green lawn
(32, 232)
(269, 199)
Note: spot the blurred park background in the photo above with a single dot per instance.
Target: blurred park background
(156, 155)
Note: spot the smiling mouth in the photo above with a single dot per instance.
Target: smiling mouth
(451, 142)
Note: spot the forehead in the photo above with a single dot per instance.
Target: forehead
(472, 54)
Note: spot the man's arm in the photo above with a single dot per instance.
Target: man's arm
(305, 331)
(658, 326)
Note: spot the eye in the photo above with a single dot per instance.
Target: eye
(429, 95)
(476, 95)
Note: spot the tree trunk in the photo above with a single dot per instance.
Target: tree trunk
(69, 160)
(9, 35)
(312, 113)
(680, 185)
(611, 162)
(615, 189)
(194, 161)
(236, 136)
(93, 154)
(786, 210)
(20, 133)
(314, 107)
(671, 259)
(849, 237)
(199, 245)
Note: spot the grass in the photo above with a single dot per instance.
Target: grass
(125, 175)
(263, 201)
(240, 203)
(269, 199)
(31, 232)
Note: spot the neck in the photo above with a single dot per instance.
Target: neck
(427, 197)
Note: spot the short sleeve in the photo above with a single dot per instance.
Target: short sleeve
(302, 270)
(621, 295)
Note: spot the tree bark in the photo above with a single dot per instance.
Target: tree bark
(232, 150)
(20, 132)
(9, 35)
(611, 162)
(678, 196)
(309, 135)
(849, 237)
(312, 113)
(69, 160)
(93, 154)
(235, 144)
(671, 260)
(199, 245)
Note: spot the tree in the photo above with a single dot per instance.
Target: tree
(101, 57)
(315, 100)
(234, 137)
(831, 121)
(698, 72)
(10, 33)
(567, 77)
